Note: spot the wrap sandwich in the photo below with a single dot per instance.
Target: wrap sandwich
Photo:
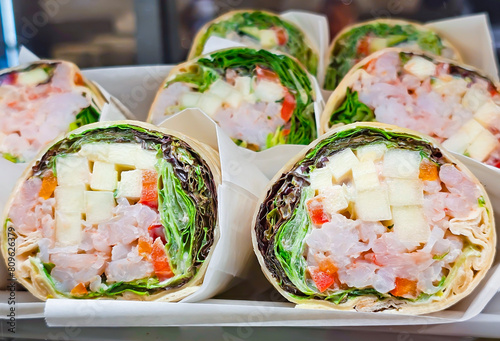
(453, 103)
(356, 42)
(260, 99)
(41, 100)
(120, 210)
(259, 29)
(373, 217)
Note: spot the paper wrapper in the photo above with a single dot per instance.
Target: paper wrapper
(314, 26)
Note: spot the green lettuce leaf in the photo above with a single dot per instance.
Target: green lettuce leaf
(11, 158)
(199, 76)
(248, 23)
(290, 241)
(86, 116)
(352, 110)
(178, 212)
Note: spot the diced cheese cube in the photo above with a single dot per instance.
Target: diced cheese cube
(321, 178)
(487, 113)
(341, 163)
(400, 163)
(482, 146)
(269, 91)
(98, 206)
(32, 77)
(234, 99)
(71, 170)
(209, 103)
(371, 152)
(121, 153)
(373, 205)
(404, 192)
(268, 38)
(365, 176)
(461, 140)
(457, 142)
(335, 200)
(475, 97)
(104, 177)
(420, 67)
(117, 153)
(220, 89)
(97, 151)
(190, 99)
(130, 185)
(410, 224)
(70, 198)
(243, 85)
(145, 159)
(68, 228)
(472, 128)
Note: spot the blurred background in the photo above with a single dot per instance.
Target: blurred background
(95, 33)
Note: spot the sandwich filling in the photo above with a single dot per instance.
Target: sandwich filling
(456, 106)
(259, 99)
(372, 213)
(37, 104)
(115, 210)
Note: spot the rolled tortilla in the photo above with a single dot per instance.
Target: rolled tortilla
(41, 100)
(356, 42)
(260, 99)
(453, 103)
(259, 29)
(373, 217)
(120, 210)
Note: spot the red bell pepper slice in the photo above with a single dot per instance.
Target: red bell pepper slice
(149, 194)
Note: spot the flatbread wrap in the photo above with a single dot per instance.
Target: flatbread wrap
(356, 42)
(373, 217)
(260, 99)
(118, 210)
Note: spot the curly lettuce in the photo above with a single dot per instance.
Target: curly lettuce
(247, 23)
